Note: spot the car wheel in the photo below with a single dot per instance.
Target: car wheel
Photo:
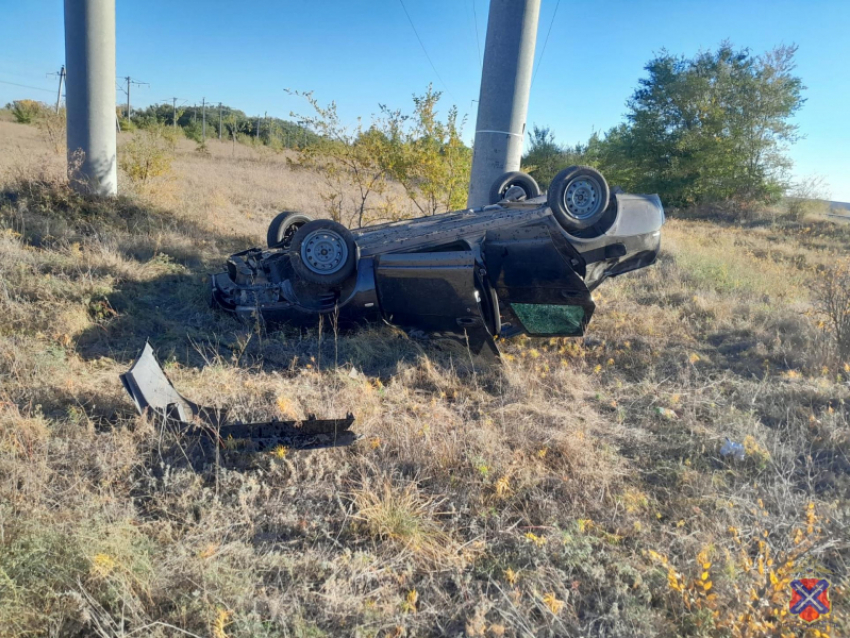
(283, 228)
(323, 252)
(514, 178)
(578, 197)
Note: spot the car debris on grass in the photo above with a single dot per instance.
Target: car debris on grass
(156, 398)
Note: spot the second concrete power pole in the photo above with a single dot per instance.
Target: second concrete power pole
(59, 93)
(129, 82)
(503, 100)
(90, 95)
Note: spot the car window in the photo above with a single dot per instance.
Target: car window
(547, 319)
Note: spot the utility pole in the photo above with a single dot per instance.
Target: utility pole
(61, 74)
(174, 106)
(129, 81)
(90, 95)
(204, 116)
(219, 121)
(503, 100)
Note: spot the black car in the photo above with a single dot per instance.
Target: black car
(524, 265)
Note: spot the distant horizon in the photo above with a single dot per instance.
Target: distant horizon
(582, 76)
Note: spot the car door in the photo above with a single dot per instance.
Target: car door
(434, 292)
(535, 273)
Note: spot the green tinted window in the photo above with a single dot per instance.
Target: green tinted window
(545, 319)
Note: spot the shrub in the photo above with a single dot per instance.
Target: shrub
(149, 154)
(421, 152)
(832, 296)
(807, 196)
(194, 131)
(53, 127)
(26, 111)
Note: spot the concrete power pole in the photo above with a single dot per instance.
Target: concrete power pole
(219, 121)
(61, 75)
(503, 100)
(127, 91)
(90, 95)
(128, 96)
(204, 116)
(174, 106)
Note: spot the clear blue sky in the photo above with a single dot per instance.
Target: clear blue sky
(362, 52)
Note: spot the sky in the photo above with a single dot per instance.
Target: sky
(362, 53)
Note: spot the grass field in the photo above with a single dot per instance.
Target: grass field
(575, 489)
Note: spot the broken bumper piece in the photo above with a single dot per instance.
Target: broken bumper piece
(156, 398)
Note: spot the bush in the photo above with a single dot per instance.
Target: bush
(53, 127)
(809, 195)
(421, 152)
(832, 297)
(149, 154)
(27, 111)
(194, 131)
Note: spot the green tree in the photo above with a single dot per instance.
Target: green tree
(545, 157)
(426, 155)
(714, 127)
(422, 152)
(348, 159)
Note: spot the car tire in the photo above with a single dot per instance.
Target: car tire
(283, 229)
(578, 197)
(514, 178)
(323, 252)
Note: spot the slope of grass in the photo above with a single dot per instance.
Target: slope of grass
(576, 489)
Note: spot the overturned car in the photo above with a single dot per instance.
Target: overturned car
(526, 264)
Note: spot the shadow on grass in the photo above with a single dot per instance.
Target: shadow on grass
(173, 311)
(168, 304)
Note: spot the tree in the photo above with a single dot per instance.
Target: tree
(425, 155)
(421, 152)
(347, 158)
(714, 127)
(545, 158)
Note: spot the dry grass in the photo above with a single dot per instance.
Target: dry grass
(575, 490)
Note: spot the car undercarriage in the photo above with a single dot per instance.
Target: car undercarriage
(527, 264)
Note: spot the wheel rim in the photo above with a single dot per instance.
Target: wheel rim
(324, 252)
(581, 197)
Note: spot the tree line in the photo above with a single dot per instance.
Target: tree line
(708, 128)
(235, 124)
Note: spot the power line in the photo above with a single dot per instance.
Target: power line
(545, 42)
(425, 51)
(130, 82)
(26, 86)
